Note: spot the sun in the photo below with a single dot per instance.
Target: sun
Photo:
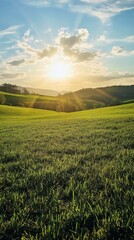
(59, 69)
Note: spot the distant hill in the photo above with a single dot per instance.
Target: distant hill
(10, 88)
(70, 102)
(107, 95)
(90, 98)
(46, 92)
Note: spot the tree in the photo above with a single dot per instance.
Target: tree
(25, 91)
(6, 87)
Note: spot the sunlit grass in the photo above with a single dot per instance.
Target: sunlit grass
(66, 176)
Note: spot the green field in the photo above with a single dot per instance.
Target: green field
(66, 176)
(27, 100)
(59, 103)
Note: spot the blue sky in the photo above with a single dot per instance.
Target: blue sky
(95, 38)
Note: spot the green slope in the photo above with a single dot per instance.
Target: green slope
(66, 175)
(33, 101)
(7, 112)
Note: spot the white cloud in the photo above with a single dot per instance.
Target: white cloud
(65, 39)
(73, 45)
(63, 1)
(27, 36)
(11, 75)
(16, 62)
(122, 75)
(27, 33)
(45, 3)
(104, 39)
(119, 51)
(129, 39)
(39, 53)
(102, 9)
(10, 30)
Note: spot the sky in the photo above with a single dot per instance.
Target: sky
(66, 45)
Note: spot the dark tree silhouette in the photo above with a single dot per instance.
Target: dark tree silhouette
(6, 87)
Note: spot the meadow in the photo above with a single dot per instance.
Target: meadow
(61, 103)
(66, 176)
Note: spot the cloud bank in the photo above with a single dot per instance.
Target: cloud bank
(66, 44)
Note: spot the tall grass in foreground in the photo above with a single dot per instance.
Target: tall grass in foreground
(69, 178)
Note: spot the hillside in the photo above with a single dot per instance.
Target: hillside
(70, 102)
(107, 94)
(46, 92)
(103, 96)
(66, 175)
(9, 88)
(8, 112)
(28, 100)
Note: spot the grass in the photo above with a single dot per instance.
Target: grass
(26, 100)
(28, 97)
(66, 175)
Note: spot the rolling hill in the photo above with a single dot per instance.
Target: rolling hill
(70, 102)
(103, 96)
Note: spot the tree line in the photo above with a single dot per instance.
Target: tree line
(10, 88)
